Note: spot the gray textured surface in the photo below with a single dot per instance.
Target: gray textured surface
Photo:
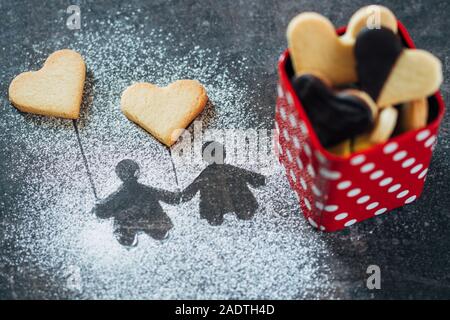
(40, 240)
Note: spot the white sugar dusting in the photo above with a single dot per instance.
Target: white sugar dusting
(275, 255)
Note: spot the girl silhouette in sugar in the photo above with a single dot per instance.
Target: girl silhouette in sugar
(223, 188)
(135, 207)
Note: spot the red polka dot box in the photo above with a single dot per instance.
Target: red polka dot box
(336, 192)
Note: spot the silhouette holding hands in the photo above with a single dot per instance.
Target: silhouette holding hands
(223, 188)
(135, 207)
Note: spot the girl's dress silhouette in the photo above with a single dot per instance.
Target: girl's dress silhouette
(135, 207)
(224, 189)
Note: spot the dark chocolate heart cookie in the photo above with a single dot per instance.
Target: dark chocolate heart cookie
(376, 52)
(392, 74)
(335, 116)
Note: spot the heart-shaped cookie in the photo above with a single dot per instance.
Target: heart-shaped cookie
(315, 47)
(392, 74)
(382, 131)
(164, 111)
(335, 116)
(55, 90)
(414, 114)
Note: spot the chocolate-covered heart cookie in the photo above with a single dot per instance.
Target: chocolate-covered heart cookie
(376, 52)
(392, 74)
(335, 116)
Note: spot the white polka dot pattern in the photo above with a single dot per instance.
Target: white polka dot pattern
(373, 205)
(385, 182)
(319, 205)
(303, 183)
(303, 128)
(307, 204)
(307, 149)
(358, 160)
(351, 222)
(289, 155)
(316, 190)
(320, 157)
(312, 222)
(296, 142)
(400, 155)
(344, 185)
(376, 175)
(390, 147)
(336, 193)
(294, 178)
(408, 163)
(311, 170)
(290, 101)
(367, 167)
(280, 92)
(416, 169)
(353, 193)
(293, 120)
(331, 208)
(430, 141)
(402, 194)
(423, 174)
(280, 149)
(380, 211)
(363, 199)
(394, 188)
(299, 163)
(422, 135)
(283, 113)
(331, 175)
(341, 216)
(286, 134)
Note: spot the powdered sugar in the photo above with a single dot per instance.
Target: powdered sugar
(275, 255)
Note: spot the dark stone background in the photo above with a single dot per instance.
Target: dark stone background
(415, 262)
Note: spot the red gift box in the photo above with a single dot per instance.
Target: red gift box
(336, 192)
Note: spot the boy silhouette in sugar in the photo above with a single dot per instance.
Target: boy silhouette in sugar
(223, 188)
(135, 207)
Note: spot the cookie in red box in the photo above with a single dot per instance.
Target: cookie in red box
(357, 116)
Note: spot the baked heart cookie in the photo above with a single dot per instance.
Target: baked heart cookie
(315, 47)
(55, 90)
(336, 116)
(382, 131)
(414, 114)
(392, 74)
(164, 111)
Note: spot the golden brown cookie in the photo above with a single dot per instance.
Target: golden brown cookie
(164, 112)
(55, 90)
(384, 127)
(315, 47)
(414, 114)
(366, 98)
(392, 74)
(344, 148)
(416, 74)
